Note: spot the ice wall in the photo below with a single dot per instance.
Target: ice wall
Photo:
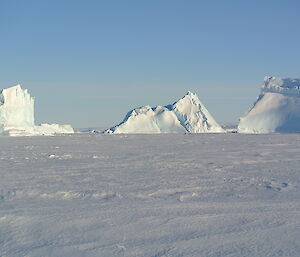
(17, 115)
(16, 108)
(277, 108)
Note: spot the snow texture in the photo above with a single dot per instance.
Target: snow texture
(186, 115)
(277, 108)
(17, 115)
(211, 195)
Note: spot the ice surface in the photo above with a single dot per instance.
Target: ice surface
(17, 115)
(283, 86)
(277, 108)
(186, 115)
(193, 195)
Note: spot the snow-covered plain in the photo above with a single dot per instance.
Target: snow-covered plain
(211, 195)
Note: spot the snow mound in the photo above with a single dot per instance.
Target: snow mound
(17, 115)
(277, 108)
(186, 115)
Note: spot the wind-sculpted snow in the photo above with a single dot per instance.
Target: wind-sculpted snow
(277, 108)
(193, 195)
(186, 115)
(17, 115)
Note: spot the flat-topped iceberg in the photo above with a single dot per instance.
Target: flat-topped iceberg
(277, 108)
(186, 115)
(17, 115)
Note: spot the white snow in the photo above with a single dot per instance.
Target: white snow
(276, 109)
(186, 115)
(209, 195)
(17, 115)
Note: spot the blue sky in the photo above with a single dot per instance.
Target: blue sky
(89, 62)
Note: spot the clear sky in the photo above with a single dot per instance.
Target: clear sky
(89, 62)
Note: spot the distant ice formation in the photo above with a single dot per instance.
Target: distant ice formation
(186, 115)
(17, 115)
(277, 108)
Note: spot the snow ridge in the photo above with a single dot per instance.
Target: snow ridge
(186, 115)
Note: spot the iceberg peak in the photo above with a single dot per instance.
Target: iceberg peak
(190, 95)
(188, 114)
(188, 99)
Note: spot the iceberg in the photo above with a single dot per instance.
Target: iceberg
(16, 108)
(187, 115)
(17, 115)
(277, 108)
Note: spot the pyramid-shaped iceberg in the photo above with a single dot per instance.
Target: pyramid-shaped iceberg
(186, 115)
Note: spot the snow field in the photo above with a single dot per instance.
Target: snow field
(150, 195)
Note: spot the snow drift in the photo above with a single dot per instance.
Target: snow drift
(186, 115)
(277, 108)
(17, 115)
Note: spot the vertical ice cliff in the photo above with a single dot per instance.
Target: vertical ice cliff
(16, 108)
(17, 115)
(277, 108)
(186, 115)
